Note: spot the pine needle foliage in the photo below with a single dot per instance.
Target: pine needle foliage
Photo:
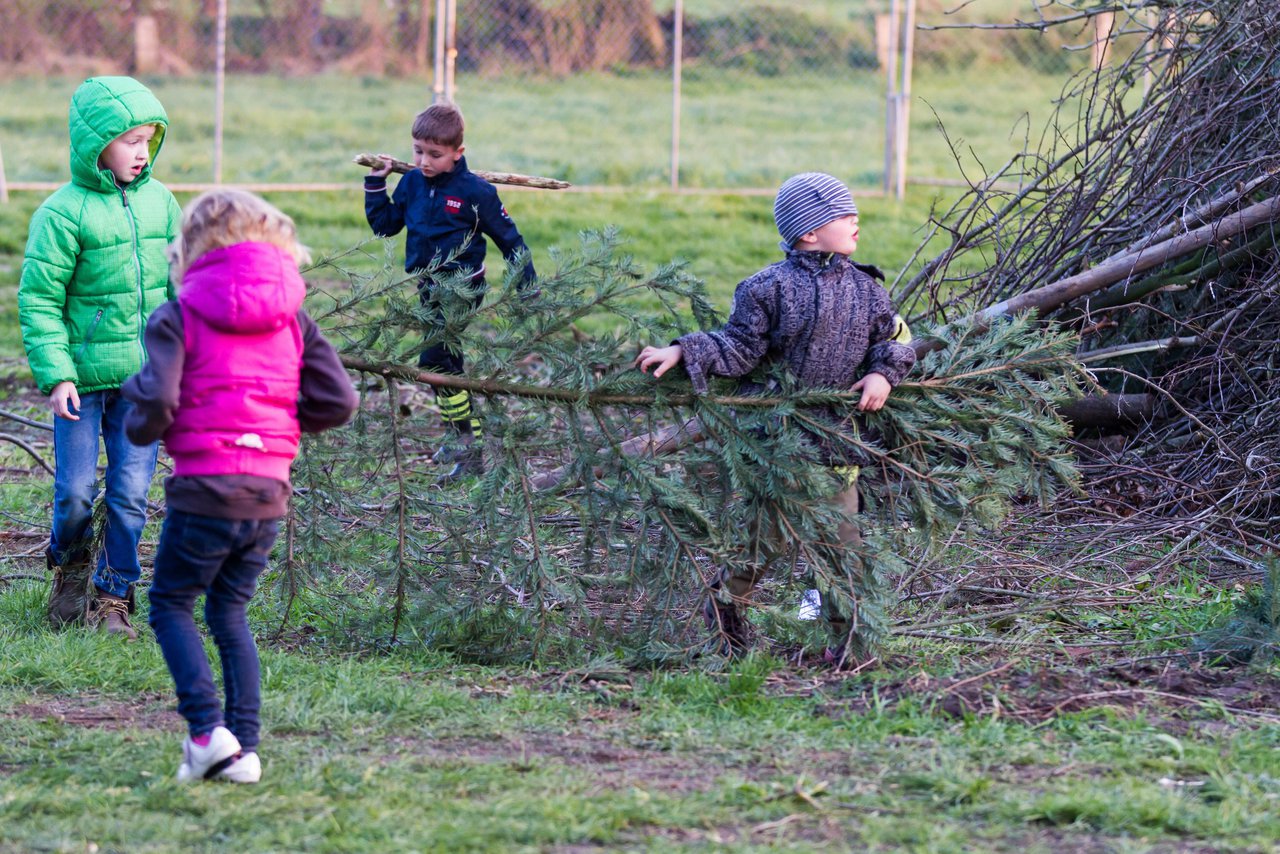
(615, 559)
(1252, 633)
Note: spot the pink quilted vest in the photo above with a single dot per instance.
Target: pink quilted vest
(237, 411)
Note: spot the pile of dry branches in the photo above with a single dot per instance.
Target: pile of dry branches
(1146, 219)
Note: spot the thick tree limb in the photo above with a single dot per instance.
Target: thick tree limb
(1110, 410)
(573, 396)
(513, 178)
(1115, 269)
(1126, 264)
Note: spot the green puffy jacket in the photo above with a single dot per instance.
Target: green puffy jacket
(95, 265)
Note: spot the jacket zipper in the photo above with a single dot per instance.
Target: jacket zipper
(88, 336)
(137, 270)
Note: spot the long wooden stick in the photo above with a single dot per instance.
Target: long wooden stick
(399, 166)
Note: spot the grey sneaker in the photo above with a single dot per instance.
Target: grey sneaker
(452, 452)
(468, 464)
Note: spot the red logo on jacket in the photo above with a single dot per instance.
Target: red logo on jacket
(453, 204)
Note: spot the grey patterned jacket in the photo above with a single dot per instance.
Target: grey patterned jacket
(827, 318)
(824, 316)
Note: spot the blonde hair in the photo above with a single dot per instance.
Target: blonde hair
(226, 217)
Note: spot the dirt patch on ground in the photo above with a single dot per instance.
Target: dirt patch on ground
(92, 711)
(1172, 693)
(613, 765)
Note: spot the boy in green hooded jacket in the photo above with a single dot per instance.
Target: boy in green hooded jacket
(94, 270)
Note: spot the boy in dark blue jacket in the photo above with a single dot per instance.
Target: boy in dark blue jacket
(447, 210)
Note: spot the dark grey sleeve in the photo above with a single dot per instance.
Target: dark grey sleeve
(735, 349)
(886, 356)
(154, 390)
(326, 397)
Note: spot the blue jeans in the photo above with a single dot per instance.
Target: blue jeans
(221, 558)
(75, 488)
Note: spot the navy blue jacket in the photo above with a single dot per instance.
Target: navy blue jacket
(442, 214)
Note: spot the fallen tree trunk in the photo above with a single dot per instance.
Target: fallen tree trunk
(513, 178)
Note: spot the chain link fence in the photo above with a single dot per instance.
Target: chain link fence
(628, 93)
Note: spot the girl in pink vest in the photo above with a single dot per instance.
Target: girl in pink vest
(237, 370)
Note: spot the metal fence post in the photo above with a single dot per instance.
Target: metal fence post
(450, 49)
(219, 87)
(677, 66)
(437, 82)
(891, 99)
(903, 113)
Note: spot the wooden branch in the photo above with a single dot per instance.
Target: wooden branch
(578, 396)
(1185, 274)
(1207, 211)
(665, 441)
(1110, 410)
(30, 450)
(1126, 264)
(513, 178)
(1116, 268)
(39, 425)
(1136, 347)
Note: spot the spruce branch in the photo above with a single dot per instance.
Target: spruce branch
(974, 430)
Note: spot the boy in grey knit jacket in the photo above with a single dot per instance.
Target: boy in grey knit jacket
(832, 324)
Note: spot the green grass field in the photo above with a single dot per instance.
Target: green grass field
(737, 130)
(412, 751)
(943, 748)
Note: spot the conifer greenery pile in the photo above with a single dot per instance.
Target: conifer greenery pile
(615, 559)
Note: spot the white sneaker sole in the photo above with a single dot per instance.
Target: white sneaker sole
(197, 761)
(246, 769)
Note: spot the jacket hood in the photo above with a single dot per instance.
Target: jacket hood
(102, 108)
(245, 288)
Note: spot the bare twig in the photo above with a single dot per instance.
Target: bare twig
(24, 445)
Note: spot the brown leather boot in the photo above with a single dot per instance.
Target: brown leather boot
(111, 615)
(69, 598)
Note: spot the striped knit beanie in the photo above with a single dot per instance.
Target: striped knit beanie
(810, 200)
